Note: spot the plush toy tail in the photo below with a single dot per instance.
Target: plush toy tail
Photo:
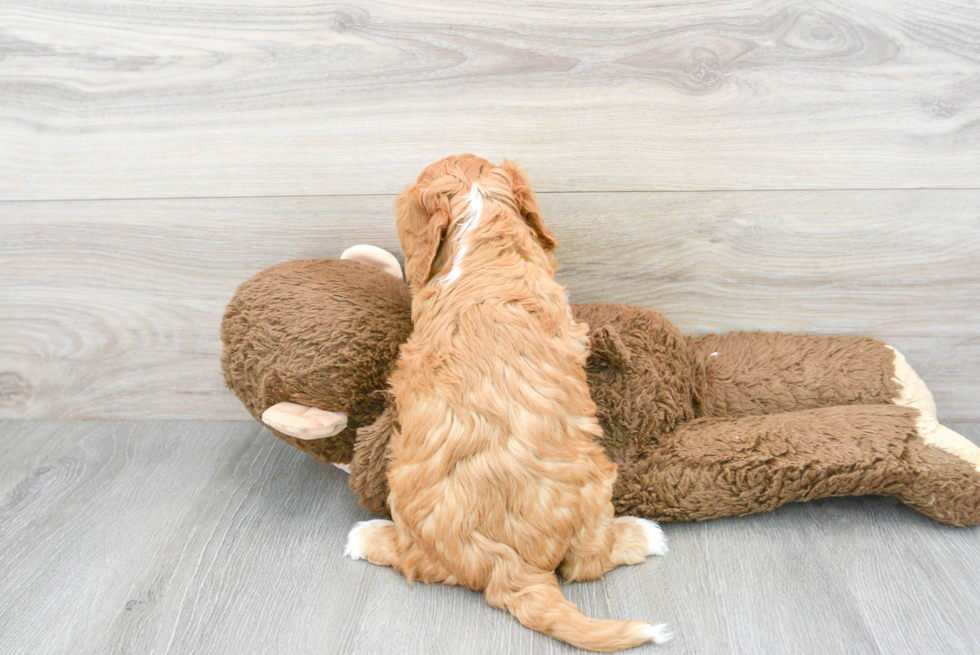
(534, 598)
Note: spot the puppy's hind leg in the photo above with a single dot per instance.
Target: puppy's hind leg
(637, 539)
(633, 540)
(609, 543)
(377, 542)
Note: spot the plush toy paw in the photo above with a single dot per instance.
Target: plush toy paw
(938, 435)
(304, 422)
(912, 391)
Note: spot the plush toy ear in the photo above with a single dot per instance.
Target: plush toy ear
(608, 347)
(374, 256)
(422, 217)
(527, 204)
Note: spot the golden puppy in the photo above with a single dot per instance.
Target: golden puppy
(496, 479)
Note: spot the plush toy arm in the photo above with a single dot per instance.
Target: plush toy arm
(747, 373)
(369, 468)
(713, 467)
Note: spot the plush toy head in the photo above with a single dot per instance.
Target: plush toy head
(281, 323)
(322, 335)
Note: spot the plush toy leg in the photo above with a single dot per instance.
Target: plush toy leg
(715, 467)
(912, 392)
(748, 373)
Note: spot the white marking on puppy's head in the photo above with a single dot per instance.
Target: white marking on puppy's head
(467, 221)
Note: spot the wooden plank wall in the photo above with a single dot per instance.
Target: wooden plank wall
(735, 165)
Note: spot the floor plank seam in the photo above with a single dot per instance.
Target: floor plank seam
(13, 201)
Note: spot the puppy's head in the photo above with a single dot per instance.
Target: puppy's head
(425, 211)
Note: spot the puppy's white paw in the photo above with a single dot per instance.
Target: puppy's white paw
(656, 541)
(356, 547)
(659, 634)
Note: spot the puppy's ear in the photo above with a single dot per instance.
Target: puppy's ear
(527, 204)
(422, 218)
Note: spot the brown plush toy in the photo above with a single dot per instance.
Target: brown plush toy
(700, 427)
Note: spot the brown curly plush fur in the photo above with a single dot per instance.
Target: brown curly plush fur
(295, 333)
(700, 427)
(714, 467)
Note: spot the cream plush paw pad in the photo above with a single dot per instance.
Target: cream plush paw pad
(912, 391)
(954, 443)
(356, 545)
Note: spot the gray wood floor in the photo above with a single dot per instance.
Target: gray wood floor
(210, 537)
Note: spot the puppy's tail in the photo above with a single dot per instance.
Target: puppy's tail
(535, 599)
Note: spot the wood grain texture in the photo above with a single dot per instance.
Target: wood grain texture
(256, 566)
(131, 99)
(192, 537)
(112, 309)
(910, 604)
(84, 520)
